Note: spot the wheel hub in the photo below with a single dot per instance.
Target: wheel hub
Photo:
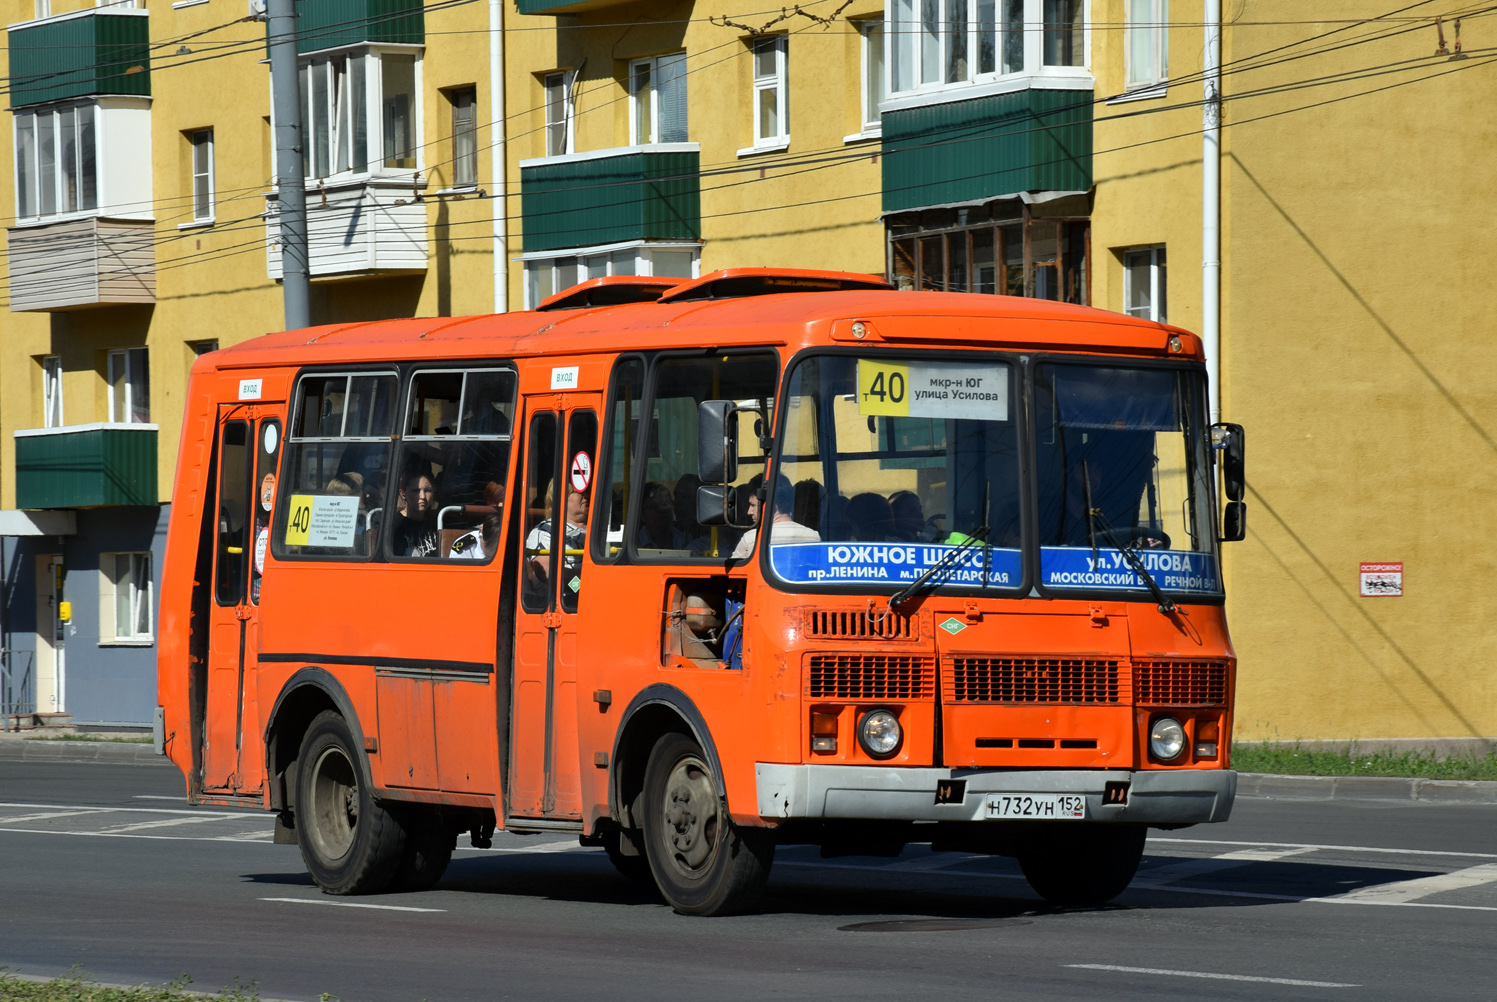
(691, 814)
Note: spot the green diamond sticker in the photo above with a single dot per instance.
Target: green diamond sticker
(953, 626)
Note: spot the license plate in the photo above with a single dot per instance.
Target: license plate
(1037, 806)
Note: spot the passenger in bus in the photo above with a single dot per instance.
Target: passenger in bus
(416, 533)
(908, 515)
(783, 527)
(870, 519)
(483, 541)
(684, 503)
(657, 520)
(350, 484)
(538, 548)
(808, 496)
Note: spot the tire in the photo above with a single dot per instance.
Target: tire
(1083, 864)
(350, 843)
(635, 867)
(428, 849)
(702, 863)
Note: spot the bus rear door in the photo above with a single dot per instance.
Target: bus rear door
(249, 443)
(561, 434)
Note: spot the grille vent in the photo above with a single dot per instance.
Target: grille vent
(861, 624)
(869, 676)
(1177, 683)
(1032, 680)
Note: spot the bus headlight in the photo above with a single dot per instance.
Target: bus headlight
(879, 733)
(1166, 738)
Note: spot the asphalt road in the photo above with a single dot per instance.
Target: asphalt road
(102, 866)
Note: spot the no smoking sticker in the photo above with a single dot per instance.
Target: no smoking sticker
(582, 472)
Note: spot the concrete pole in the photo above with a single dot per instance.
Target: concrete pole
(285, 89)
(498, 150)
(1211, 265)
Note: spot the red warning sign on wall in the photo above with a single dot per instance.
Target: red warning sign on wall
(1382, 580)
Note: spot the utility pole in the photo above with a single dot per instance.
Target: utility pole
(285, 89)
(1211, 264)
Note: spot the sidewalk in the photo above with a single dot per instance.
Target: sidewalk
(15, 747)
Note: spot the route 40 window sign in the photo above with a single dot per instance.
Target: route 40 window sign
(1382, 580)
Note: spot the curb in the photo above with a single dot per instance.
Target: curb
(1372, 788)
(105, 752)
(35, 979)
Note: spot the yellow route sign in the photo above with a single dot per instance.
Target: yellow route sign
(883, 388)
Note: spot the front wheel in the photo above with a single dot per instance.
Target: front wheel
(702, 863)
(349, 842)
(1082, 864)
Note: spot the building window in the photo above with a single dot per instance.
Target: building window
(875, 81)
(203, 347)
(464, 137)
(544, 277)
(1147, 42)
(1144, 289)
(771, 99)
(129, 386)
(657, 98)
(57, 170)
(938, 42)
(202, 174)
(1064, 35)
(998, 248)
(558, 88)
(52, 392)
(125, 597)
(360, 113)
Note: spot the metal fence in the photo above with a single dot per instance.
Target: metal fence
(17, 687)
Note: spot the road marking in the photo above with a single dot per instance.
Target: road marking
(1406, 891)
(1343, 848)
(158, 838)
(151, 796)
(540, 847)
(43, 817)
(932, 862)
(352, 904)
(194, 811)
(1171, 872)
(162, 823)
(1213, 977)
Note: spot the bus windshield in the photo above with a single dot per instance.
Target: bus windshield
(889, 463)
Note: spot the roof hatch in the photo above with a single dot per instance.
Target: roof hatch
(735, 283)
(615, 290)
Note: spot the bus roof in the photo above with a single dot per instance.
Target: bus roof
(888, 317)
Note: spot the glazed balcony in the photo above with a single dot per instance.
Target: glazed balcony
(612, 196)
(86, 466)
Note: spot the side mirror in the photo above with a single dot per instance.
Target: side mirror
(717, 443)
(720, 505)
(1229, 439)
(1234, 522)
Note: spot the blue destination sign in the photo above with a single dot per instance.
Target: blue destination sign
(1108, 570)
(894, 563)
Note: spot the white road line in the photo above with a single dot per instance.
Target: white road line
(195, 811)
(541, 847)
(158, 838)
(43, 817)
(1342, 848)
(352, 904)
(1405, 891)
(1213, 977)
(935, 861)
(162, 823)
(1171, 872)
(152, 796)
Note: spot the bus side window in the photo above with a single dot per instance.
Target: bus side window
(611, 496)
(233, 509)
(540, 513)
(582, 447)
(263, 487)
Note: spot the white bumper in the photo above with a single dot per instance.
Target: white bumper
(1175, 796)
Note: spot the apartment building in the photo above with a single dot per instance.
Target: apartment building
(464, 157)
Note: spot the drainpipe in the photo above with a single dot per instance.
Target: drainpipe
(285, 92)
(500, 154)
(1211, 264)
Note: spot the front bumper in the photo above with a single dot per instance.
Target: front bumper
(1173, 796)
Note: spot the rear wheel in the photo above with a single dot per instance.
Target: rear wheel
(1082, 864)
(428, 849)
(702, 863)
(349, 842)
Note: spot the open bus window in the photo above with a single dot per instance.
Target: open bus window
(625, 403)
(331, 502)
(892, 463)
(453, 465)
(666, 527)
(1122, 461)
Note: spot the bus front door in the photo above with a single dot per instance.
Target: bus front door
(561, 437)
(249, 442)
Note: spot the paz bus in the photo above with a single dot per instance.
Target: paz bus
(696, 569)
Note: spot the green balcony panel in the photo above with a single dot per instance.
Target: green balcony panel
(86, 466)
(634, 194)
(564, 6)
(85, 54)
(332, 24)
(965, 151)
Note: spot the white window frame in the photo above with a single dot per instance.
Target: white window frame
(77, 111)
(52, 404)
(1156, 261)
(133, 362)
(472, 133)
(332, 114)
(204, 202)
(873, 61)
(1153, 32)
(203, 347)
(584, 263)
(778, 80)
(645, 110)
(562, 81)
(138, 578)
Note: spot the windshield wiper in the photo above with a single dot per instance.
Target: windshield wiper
(976, 536)
(1130, 554)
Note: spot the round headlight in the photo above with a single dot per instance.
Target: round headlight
(879, 733)
(1166, 739)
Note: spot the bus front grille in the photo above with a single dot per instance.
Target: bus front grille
(1176, 683)
(861, 624)
(869, 676)
(1032, 680)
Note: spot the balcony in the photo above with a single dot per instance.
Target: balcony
(86, 466)
(565, 6)
(81, 262)
(87, 53)
(336, 24)
(1001, 144)
(612, 196)
(363, 228)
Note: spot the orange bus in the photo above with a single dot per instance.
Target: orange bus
(695, 569)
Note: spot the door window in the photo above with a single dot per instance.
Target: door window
(233, 509)
(263, 499)
(540, 514)
(582, 449)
